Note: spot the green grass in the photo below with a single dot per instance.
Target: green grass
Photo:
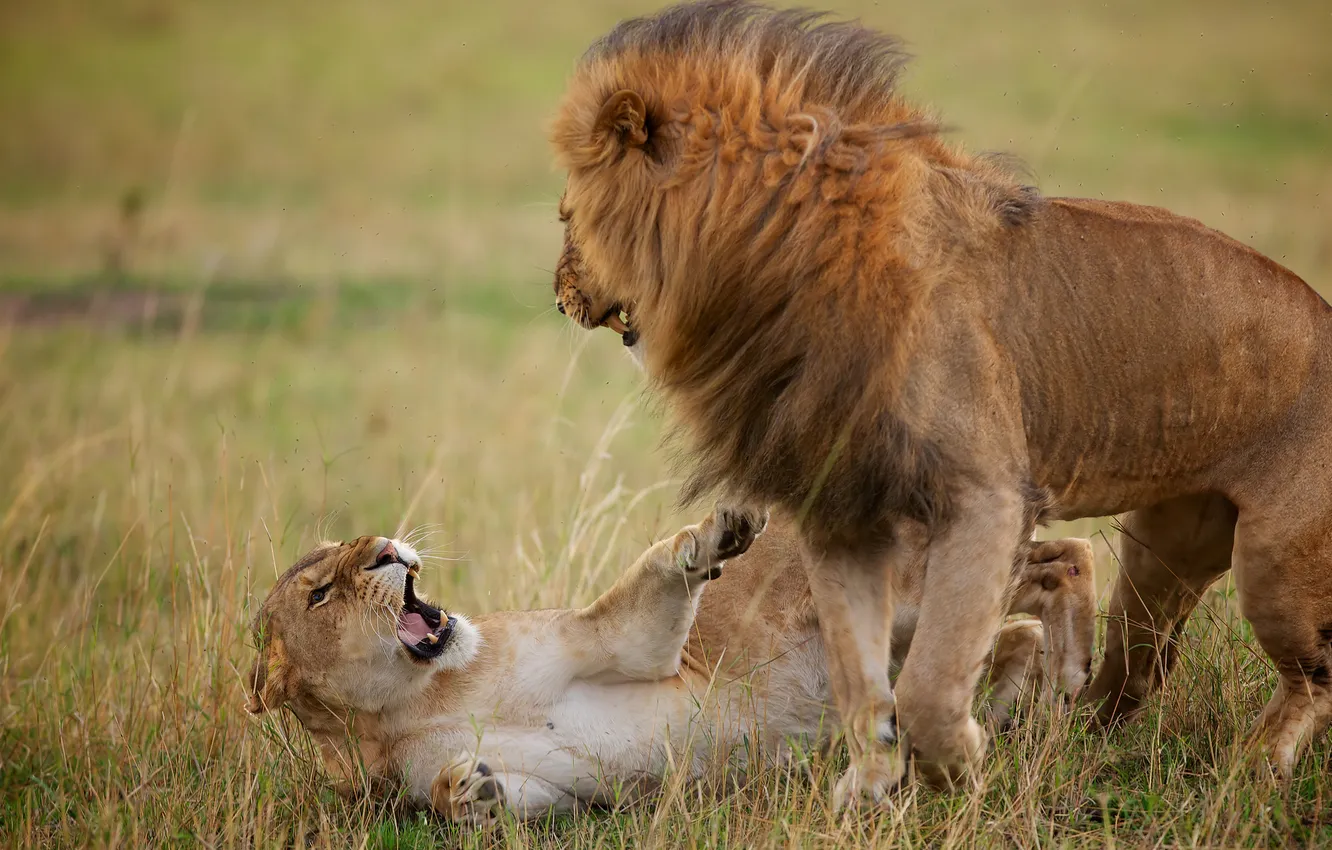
(299, 256)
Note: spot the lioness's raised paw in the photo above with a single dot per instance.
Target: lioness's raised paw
(467, 791)
(739, 526)
(700, 550)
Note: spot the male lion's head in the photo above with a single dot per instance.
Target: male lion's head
(749, 186)
(345, 630)
(583, 301)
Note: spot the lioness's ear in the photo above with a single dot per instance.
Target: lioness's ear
(622, 120)
(269, 685)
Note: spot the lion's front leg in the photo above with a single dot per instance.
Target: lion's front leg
(854, 601)
(638, 627)
(970, 562)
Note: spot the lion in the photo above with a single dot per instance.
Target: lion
(533, 712)
(1056, 595)
(918, 356)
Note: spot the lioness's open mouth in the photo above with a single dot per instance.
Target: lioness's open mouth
(424, 629)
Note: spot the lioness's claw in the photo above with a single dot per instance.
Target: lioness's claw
(467, 791)
(739, 527)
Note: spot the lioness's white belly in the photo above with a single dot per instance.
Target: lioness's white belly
(592, 741)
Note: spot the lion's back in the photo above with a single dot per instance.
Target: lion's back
(1144, 340)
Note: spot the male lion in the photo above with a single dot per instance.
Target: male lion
(539, 711)
(896, 341)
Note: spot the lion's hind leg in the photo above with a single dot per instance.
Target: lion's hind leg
(1169, 554)
(1297, 713)
(1285, 592)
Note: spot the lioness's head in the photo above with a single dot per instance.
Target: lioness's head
(344, 629)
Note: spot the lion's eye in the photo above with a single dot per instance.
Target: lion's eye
(319, 594)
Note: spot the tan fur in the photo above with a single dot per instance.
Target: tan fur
(558, 709)
(878, 332)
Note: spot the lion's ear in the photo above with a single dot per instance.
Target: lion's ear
(269, 683)
(622, 120)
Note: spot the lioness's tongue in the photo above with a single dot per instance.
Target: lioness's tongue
(412, 627)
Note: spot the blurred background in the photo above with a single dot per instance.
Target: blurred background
(271, 270)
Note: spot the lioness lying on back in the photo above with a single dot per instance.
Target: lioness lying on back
(538, 711)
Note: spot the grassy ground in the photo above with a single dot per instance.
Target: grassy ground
(272, 265)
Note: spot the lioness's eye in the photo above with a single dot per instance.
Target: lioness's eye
(319, 594)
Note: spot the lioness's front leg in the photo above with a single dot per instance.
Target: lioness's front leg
(467, 791)
(970, 562)
(474, 789)
(638, 627)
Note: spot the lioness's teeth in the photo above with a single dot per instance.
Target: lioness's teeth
(430, 638)
(414, 572)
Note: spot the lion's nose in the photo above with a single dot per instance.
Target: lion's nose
(559, 305)
(387, 555)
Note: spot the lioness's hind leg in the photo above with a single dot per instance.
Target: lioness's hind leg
(1014, 671)
(1169, 554)
(1057, 583)
(1285, 592)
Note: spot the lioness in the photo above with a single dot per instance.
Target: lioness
(539, 711)
(922, 358)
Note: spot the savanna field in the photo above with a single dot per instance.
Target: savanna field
(275, 271)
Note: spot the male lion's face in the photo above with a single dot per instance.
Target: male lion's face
(578, 295)
(344, 627)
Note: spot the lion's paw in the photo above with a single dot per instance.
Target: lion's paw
(701, 550)
(871, 780)
(467, 791)
(953, 764)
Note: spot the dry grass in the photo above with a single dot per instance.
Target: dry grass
(155, 477)
(155, 484)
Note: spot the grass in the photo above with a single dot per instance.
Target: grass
(311, 245)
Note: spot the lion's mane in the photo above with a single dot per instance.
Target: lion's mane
(777, 216)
